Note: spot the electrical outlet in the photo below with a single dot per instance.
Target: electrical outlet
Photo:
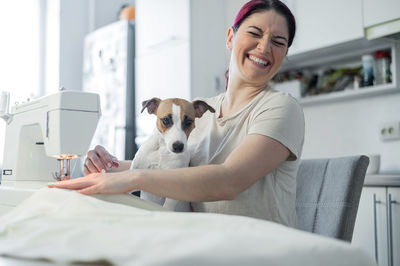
(390, 131)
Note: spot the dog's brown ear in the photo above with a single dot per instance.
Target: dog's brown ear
(201, 107)
(151, 105)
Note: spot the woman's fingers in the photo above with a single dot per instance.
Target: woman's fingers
(105, 156)
(115, 161)
(99, 159)
(95, 183)
(79, 183)
(86, 170)
(93, 162)
(92, 168)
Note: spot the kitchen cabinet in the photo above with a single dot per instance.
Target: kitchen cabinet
(325, 23)
(377, 12)
(160, 24)
(168, 24)
(377, 227)
(345, 55)
(180, 52)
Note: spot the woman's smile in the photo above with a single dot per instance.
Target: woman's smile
(259, 62)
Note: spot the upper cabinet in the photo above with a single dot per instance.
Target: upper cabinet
(377, 12)
(180, 48)
(161, 24)
(381, 18)
(325, 23)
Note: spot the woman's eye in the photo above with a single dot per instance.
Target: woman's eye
(166, 121)
(278, 43)
(254, 34)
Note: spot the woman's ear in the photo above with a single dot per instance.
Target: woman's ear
(229, 38)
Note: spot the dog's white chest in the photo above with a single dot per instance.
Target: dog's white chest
(153, 154)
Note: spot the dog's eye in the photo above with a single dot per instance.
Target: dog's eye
(166, 121)
(187, 123)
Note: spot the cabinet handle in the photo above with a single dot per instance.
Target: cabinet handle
(217, 84)
(375, 228)
(389, 228)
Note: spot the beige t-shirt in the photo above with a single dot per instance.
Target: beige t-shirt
(270, 113)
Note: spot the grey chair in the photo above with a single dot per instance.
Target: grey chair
(328, 193)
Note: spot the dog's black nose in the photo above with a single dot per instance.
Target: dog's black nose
(177, 147)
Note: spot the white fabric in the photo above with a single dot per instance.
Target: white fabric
(273, 114)
(64, 226)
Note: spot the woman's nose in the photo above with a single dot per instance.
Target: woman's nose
(264, 45)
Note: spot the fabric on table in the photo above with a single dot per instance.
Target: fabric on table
(65, 226)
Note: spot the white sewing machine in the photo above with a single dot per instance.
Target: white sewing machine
(42, 136)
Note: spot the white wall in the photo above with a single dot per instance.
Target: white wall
(77, 19)
(73, 28)
(207, 46)
(352, 127)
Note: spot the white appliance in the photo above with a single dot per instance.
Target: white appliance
(42, 137)
(109, 70)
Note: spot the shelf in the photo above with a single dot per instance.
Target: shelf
(349, 94)
(344, 53)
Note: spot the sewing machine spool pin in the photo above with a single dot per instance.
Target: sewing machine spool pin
(65, 172)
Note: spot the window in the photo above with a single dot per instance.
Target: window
(23, 63)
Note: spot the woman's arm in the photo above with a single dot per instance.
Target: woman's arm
(251, 161)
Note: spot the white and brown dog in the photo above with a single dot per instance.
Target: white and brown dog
(167, 148)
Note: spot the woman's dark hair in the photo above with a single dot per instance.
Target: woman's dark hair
(264, 5)
(255, 6)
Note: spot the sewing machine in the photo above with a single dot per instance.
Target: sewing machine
(42, 137)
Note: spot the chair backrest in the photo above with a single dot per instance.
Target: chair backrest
(328, 193)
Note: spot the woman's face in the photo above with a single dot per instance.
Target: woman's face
(258, 47)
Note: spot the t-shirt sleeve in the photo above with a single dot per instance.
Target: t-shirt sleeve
(282, 119)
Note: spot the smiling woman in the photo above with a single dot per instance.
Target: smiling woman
(244, 157)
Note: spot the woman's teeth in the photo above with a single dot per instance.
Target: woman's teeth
(258, 60)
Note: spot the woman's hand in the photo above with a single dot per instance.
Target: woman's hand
(99, 159)
(98, 183)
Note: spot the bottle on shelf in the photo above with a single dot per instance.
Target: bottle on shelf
(368, 70)
(382, 67)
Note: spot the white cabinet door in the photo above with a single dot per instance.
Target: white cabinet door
(376, 12)
(165, 73)
(324, 23)
(161, 23)
(395, 210)
(208, 47)
(364, 230)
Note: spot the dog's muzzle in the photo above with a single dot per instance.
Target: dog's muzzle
(177, 147)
